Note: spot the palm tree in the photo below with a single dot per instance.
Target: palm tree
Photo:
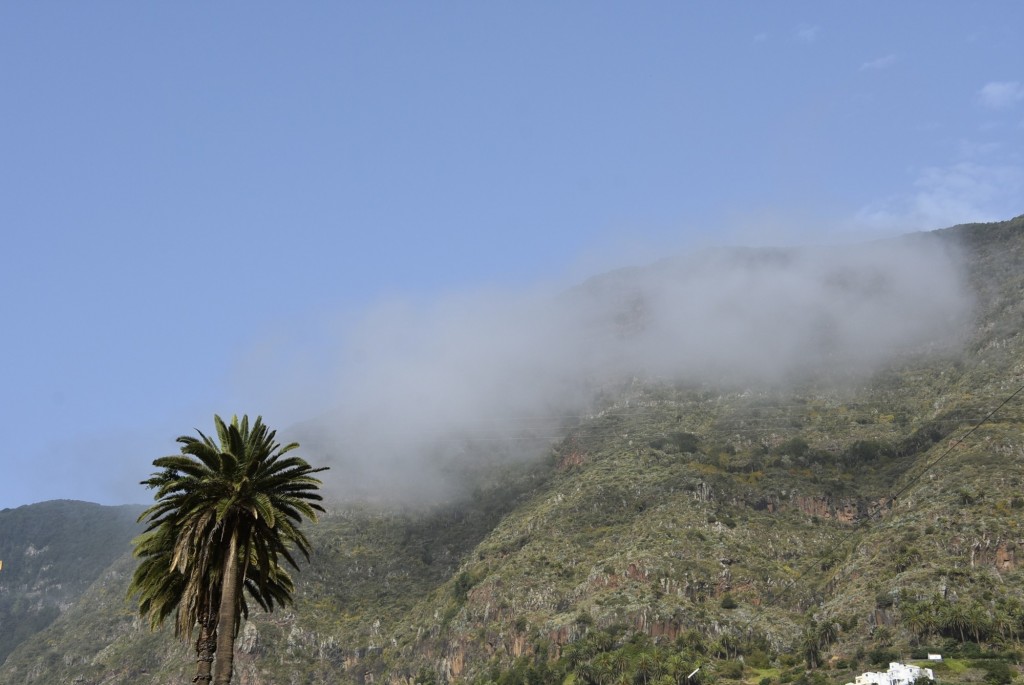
(603, 668)
(647, 666)
(677, 667)
(954, 618)
(1013, 610)
(933, 613)
(978, 620)
(163, 588)
(226, 513)
(1001, 622)
(827, 631)
(574, 654)
(621, 661)
(810, 646)
(586, 672)
(727, 646)
(915, 617)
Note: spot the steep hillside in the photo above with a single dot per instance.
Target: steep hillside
(369, 569)
(51, 553)
(751, 529)
(748, 514)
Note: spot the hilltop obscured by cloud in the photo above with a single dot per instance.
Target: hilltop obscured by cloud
(426, 384)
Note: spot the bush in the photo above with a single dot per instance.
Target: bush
(866, 452)
(685, 442)
(882, 657)
(796, 447)
(757, 658)
(676, 442)
(731, 669)
(463, 584)
(966, 497)
(997, 672)
(728, 602)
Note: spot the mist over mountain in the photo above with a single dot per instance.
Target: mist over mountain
(428, 387)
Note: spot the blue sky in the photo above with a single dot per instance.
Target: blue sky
(197, 200)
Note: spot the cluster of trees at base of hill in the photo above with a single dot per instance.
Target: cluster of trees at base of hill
(963, 620)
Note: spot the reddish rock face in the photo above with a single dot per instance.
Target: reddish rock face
(1002, 555)
(843, 510)
(1005, 559)
(573, 456)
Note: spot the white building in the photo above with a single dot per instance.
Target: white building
(898, 674)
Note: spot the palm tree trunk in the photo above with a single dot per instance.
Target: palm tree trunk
(230, 589)
(206, 645)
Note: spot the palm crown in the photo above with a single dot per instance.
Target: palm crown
(227, 511)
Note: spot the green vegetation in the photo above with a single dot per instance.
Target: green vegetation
(51, 553)
(773, 534)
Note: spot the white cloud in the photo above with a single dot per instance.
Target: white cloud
(807, 33)
(1001, 94)
(432, 388)
(880, 63)
(944, 196)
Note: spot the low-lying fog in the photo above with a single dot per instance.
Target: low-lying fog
(497, 366)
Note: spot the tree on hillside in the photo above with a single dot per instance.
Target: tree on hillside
(163, 588)
(817, 637)
(227, 512)
(192, 594)
(954, 618)
(915, 616)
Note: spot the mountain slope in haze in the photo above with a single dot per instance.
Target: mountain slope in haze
(51, 553)
(722, 520)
